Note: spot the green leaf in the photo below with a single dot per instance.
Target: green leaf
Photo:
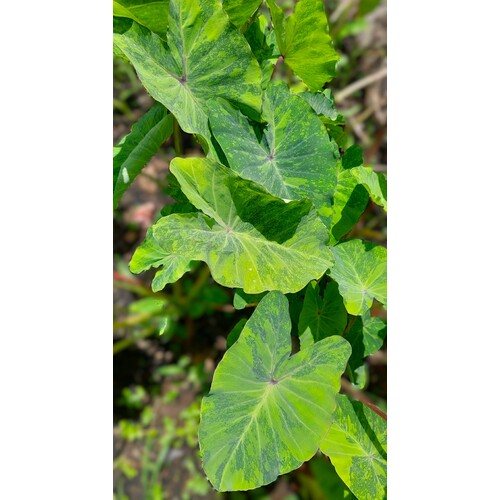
(353, 157)
(328, 481)
(149, 305)
(357, 446)
(151, 254)
(178, 208)
(366, 337)
(248, 238)
(360, 377)
(360, 269)
(240, 11)
(262, 41)
(278, 20)
(321, 317)
(322, 103)
(292, 157)
(136, 149)
(205, 56)
(349, 202)
(305, 42)
(267, 412)
(153, 14)
(235, 333)
(242, 299)
(374, 182)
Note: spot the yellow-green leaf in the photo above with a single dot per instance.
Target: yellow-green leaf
(152, 14)
(205, 56)
(267, 411)
(305, 43)
(360, 269)
(357, 446)
(249, 238)
(292, 156)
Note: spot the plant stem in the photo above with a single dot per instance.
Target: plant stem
(349, 325)
(198, 285)
(360, 396)
(278, 62)
(177, 138)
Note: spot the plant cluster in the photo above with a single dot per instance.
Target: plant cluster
(267, 209)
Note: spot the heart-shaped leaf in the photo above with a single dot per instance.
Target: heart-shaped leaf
(267, 412)
(357, 446)
(360, 269)
(138, 147)
(248, 238)
(305, 42)
(205, 56)
(292, 157)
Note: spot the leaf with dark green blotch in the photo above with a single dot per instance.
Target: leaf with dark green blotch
(305, 42)
(136, 149)
(374, 182)
(151, 254)
(205, 56)
(249, 238)
(153, 14)
(240, 11)
(267, 411)
(242, 299)
(350, 200)
(235, 333)
(360, 269)
(357, 446)
(353, 157)
(292, 157)
(323, 315)
(366, 337)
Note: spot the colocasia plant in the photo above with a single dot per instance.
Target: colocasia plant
(268, 209)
